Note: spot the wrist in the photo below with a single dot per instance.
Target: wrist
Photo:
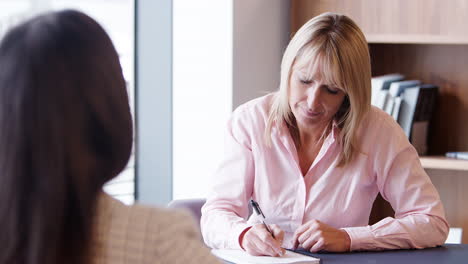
(347, 240)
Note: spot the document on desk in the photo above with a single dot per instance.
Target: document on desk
(242, 257)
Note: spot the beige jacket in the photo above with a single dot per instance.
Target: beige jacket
(141, 234)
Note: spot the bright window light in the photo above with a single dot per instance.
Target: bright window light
(202, 91)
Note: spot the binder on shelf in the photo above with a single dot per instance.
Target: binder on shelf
(396, 108)
(417, 105)
(457, 155)
(389, 104)
(380, 86)
(393, 104)
(396, 88)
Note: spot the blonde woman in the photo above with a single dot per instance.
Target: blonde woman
(315, 154)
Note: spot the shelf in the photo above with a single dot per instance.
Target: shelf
(416, 39)
(444, 163)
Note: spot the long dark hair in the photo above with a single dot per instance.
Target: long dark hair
(65, 129)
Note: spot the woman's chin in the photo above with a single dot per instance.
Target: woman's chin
(311, 120)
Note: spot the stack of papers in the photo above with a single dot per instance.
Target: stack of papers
(242, 257)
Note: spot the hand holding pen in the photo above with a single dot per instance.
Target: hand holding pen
(258, 211)
(262, 239)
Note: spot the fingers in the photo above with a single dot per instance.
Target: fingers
(308, 241)
(319, 245)
(296, 235)
(304, 231)
(305, 236)
(279, 237)
(315, 236)
(295, 242)
(303, 227)
(277, 232)
(258, 241)
(268, 239)
(256, 247)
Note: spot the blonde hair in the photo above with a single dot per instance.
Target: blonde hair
(339, 45)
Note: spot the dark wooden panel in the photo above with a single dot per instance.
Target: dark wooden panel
(442, 65)
(380, 210)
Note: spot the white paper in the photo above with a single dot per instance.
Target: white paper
(242, 257)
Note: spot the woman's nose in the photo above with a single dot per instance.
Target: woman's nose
(314, 95)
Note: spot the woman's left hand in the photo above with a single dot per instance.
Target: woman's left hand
(314, 236)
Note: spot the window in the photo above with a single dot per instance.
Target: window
(202, 91)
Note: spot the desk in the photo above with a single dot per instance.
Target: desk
(448, 253)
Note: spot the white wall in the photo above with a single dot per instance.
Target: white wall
(261, 33)
(225, 52)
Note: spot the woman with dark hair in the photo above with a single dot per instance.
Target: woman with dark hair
(65, 130)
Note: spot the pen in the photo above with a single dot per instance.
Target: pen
(257, 210)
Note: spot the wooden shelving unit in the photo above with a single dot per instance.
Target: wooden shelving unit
(444, 163)
(416, 39)
(425, 40)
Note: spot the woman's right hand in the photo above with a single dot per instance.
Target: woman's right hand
(257, 241)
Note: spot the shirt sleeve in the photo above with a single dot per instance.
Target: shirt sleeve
(224, 213)
(419, 220)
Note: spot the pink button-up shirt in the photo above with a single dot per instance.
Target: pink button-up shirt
(341, 197)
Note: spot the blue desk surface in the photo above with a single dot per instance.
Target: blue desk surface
(448, 253)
